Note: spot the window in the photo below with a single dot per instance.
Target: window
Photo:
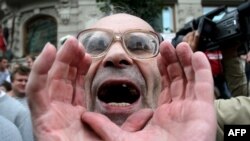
(39, 30)
(167, 18)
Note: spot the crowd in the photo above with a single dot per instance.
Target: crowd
(15, 117)
(117, 81)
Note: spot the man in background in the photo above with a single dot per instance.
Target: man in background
(4, 72)
(19, 78)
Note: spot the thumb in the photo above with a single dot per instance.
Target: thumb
(103, 127)
(137, 120)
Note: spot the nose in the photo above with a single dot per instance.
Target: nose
(24, 82)
(117, 57)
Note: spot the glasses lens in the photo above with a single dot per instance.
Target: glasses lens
(141, 45)
(95, 42)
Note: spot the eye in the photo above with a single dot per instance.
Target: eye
(95, 45)
(96, 42)
(140, 43)
(135, 43)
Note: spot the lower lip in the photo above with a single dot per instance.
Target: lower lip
(116, 109)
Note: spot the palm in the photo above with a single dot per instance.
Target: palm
(186, 117)
(61, 119)
(175, 122)
(55, 93)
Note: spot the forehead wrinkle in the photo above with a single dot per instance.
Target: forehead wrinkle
(122, 22)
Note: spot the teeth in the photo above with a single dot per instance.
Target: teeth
(124, 85)
(123, 104)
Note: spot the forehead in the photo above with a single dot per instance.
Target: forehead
(21, 73)
(20, 76)
(121, 23)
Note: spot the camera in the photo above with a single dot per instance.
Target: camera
(233, 26)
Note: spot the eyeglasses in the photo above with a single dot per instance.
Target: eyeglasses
(138, 44)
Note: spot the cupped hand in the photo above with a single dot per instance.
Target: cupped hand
(185, 109)
(55, 93)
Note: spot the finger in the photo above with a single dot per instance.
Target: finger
(64, 71)
(191, 38)
(184, 54)
(164, 97)
(82, 68)
(244, 57)
(36, 88)
(174, 71)
(138, 120)
(105, 128)
(187, 37)
(203, 77)
(248, 57)
(196, 41)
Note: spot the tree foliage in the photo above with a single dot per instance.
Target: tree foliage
(149, 10)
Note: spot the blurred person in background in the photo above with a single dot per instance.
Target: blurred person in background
(236, 109)
(227, 64)
(30, 60)
(5, 86)
(16, 113)
(19, 78)
(3, 43)
(4, 71)
(8, 130)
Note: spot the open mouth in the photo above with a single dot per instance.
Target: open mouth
(118, 94)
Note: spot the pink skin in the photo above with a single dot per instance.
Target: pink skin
(118, 67)
(18, 85)
(182, 81)
(57, 99)
(190, 114)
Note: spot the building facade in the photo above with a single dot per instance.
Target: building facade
(33, 23)
(30, 24)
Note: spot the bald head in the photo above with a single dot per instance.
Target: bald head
(122, 22)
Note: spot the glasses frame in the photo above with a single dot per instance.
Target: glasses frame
(120, 37)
